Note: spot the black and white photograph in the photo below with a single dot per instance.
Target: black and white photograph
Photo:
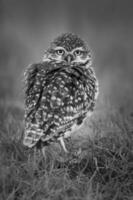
(66, 100)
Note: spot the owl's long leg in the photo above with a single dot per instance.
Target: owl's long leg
(43, 152)
(63, 144)
(35, 156)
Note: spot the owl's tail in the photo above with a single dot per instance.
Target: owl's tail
(32, 135)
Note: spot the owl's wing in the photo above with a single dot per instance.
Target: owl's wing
(34, 76)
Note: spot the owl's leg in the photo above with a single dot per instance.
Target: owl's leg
(35, 156)
(79, 151)
(43, 152)
(63, 144)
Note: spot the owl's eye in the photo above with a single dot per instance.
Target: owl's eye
(77, 52)
(60, 52)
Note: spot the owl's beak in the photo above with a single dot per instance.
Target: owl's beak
(69, 58)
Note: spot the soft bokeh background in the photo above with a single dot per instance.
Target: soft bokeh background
(28, 26)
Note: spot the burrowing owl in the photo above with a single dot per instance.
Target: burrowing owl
(60, 92)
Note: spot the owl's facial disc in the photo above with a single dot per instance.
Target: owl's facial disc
(59, 54)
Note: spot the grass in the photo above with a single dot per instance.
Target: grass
(102, 171)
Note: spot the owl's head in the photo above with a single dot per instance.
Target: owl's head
(69, 49)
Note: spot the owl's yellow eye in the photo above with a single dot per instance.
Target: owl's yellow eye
(60, 52)
(77, 52)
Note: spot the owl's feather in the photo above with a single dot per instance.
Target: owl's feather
(57, 97)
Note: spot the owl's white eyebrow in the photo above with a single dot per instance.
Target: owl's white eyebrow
(78, 48)
(58, 48)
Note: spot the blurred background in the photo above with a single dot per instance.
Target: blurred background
(28, 26)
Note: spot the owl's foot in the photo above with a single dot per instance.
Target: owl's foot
(63, 145)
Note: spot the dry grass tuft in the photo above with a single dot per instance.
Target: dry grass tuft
(103, 170)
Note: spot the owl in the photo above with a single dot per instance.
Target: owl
(60, 92)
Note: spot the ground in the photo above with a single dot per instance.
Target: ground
(103, 170)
